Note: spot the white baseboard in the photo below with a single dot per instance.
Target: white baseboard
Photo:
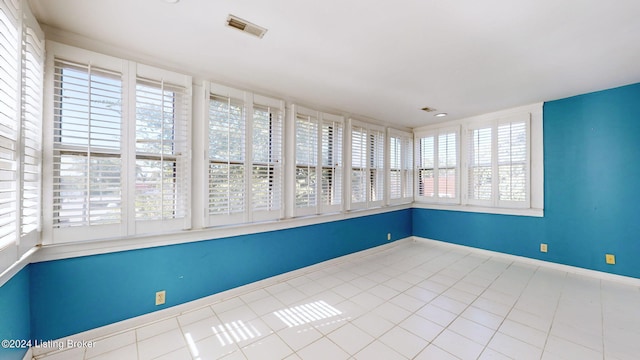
(548, 264)
(132, 323)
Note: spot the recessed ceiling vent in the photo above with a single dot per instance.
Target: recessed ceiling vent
(428, 109)
(245, 26)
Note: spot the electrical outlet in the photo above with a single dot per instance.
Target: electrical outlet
(161, 297)
(543, 247)
(389, 236)
(610, 259)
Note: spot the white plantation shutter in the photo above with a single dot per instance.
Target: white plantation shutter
(245, 156)
(426, 166)
(266, 168)
(367, 165)
(480, 165)
(9, 121)
(438, 164)
(31, 157)
(513, 162)
(498, 163)
(494, 173)
(162, 153)
(87, 183)
(395, 168)
(447, 165)
(120, 143)
(332, 167)
(358, 167)
(319, 169)
(408, 166)
(227, 185)
(400, 167)
(376, 167)
(306, 170)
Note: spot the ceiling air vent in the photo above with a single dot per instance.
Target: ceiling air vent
(428, 109)
(245, 26)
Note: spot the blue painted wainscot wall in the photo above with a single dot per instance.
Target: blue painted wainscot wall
(74, 295)
(592, 201)
(14, 314)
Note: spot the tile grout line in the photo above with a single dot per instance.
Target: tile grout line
(555, 312)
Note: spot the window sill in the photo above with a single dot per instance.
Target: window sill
(93, 247)
(481, 209)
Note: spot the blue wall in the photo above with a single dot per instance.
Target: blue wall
(73, 295)
(14, 313)
(592, 202)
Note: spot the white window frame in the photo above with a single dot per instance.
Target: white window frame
(534, 205)
(248, 213)
(494, 200)
(405, 169)
(128, 225)
(181, 154)
(370, 157)
(276, 110)
(437, 134)
(318, 205)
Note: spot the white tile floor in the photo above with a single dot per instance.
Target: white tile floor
(416, 300)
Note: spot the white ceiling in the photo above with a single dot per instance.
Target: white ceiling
(385, 59)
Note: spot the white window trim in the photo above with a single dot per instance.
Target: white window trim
(321, 117)
(368, 203)
(248, 215)
(407, 188)
(536, 162)
(436, 132)
(129, 70)
(184, 81)
(295, 111)
(278, 211)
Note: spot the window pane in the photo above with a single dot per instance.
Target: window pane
(376, 160)
(306, 161)
(426, 187)
(358, 147)
(358, 185)
(88, 105)
(226, 129)
(156, 190)
(331, 186)
(226, 188)
(87, 142)
(226, 156)
(305, 186)
(447, 165)
(160, 134)
(480, 164)
(87, 190)
(512, 161)
(266, 179)
(306, 140)
(427, 152)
